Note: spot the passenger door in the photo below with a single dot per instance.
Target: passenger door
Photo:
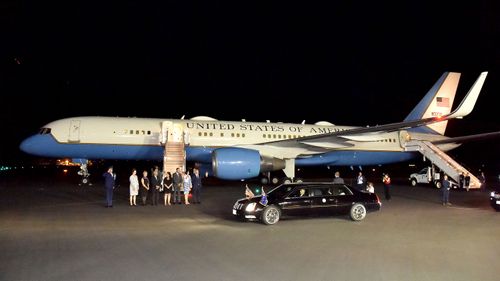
(296, 204)
(344, 198)
(322, 199)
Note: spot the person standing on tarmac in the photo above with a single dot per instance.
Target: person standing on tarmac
(109, 184)
(446, 185)
(387, 186)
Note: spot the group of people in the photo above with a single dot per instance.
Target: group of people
(362, 184)
(168, 185)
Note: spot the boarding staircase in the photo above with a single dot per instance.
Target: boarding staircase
(173, 138)
(442, 160)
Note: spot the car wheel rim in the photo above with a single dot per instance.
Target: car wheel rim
(272, 216)
(359, 212)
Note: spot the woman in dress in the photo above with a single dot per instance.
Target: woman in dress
(144, 187)
(167, 188)
(187, 186)
(134, 188)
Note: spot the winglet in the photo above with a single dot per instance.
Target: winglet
(470, 99)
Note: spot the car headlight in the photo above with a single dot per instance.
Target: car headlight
(492, 194)
(250, 207)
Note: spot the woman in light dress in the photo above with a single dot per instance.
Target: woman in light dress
(187, 186)
(134, 188)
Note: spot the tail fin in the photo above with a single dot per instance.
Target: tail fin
(437, 102)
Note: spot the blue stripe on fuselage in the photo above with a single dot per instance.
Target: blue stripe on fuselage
(348, 158)
(47, 146)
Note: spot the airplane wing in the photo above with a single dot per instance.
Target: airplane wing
(462, 139)
(338, 139)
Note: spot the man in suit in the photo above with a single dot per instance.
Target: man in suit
(177, 185)
(109, 184)
(445, 186)
(155, 187)
(196, 181)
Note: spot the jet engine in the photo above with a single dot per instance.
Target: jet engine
(234, 163)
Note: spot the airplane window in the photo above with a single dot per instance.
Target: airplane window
(268, 136)
(199, 134)
(131, 132)
(238, 135)
(221, 134)
(205, 134)
(243, 135)
(149, 132)
(232, 135)
(143, 132)
(264, 135)
(279, 136)
(125, 131)
(274, 136)
(136, 132)
(44, 131)
(211, 134)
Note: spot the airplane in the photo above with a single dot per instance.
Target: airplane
(242, 150)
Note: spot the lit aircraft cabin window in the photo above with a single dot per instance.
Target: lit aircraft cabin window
(131, 132)
(143, 132)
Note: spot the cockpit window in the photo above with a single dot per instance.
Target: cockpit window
(44, 131)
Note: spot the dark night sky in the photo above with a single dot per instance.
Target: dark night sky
(238, 59)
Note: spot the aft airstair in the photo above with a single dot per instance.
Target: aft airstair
(173, 138)
(442, 160)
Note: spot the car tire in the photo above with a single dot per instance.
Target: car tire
(413, 182)
(438, 185)
(270, 215)
(358, 212)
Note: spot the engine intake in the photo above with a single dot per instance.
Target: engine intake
(240, 163)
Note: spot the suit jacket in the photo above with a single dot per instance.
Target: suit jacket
(196, 181)
(177, 179)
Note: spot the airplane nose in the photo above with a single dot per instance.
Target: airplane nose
(29, 145)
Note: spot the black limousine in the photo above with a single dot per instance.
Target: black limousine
(312, 198)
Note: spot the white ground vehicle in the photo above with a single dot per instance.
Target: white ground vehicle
(426, 175)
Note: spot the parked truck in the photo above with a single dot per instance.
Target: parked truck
(428, 175)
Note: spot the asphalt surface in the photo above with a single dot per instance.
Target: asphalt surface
(51, 229)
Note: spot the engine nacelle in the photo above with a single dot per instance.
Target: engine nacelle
(234, 163)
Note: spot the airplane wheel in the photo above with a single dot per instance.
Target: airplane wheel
(299, 180)
(275, 180)
(264, 181)
(287, 180)
(85, 181)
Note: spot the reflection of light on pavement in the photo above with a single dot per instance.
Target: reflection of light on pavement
(65, 171)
